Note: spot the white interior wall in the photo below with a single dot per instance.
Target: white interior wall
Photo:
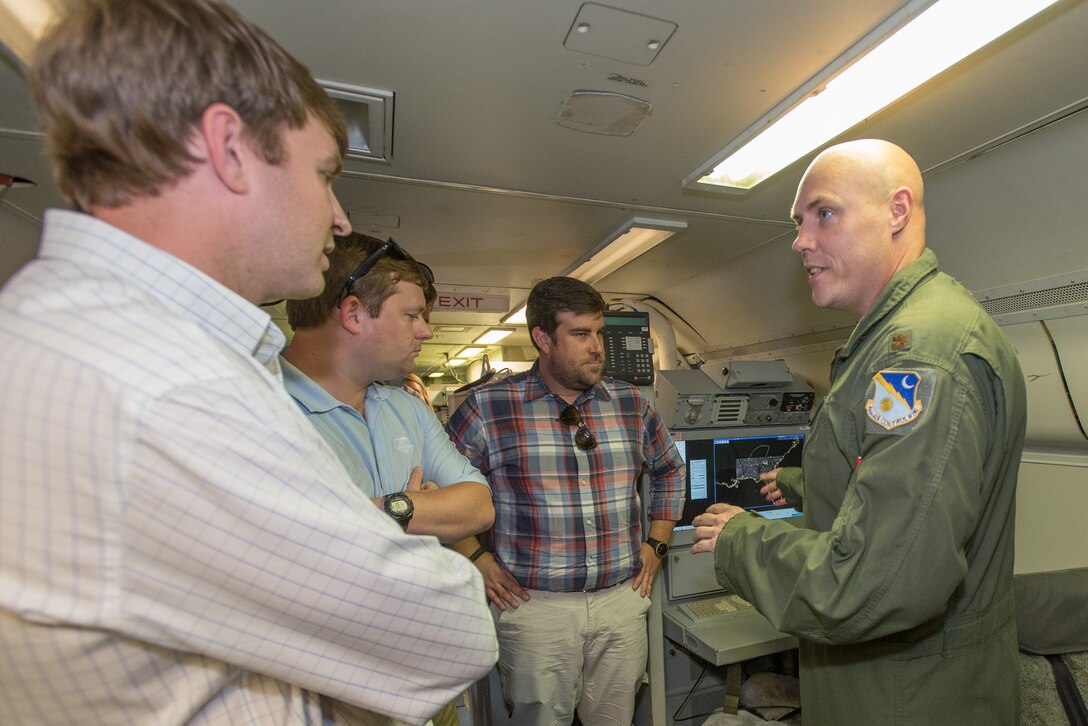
(1051, 502)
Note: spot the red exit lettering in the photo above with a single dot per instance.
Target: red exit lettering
(453, 301)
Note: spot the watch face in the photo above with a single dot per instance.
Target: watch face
(400, 507)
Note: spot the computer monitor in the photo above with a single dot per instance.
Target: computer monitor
(723, 465)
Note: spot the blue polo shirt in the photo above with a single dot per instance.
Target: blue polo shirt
(379, 451)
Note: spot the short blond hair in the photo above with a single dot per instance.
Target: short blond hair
(121, 86)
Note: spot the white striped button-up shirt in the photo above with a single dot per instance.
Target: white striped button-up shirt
(177, 543)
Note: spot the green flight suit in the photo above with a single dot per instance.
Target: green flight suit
(898, 585)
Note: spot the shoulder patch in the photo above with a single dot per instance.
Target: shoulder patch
(897, 398)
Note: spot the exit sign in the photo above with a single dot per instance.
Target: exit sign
(467, 300)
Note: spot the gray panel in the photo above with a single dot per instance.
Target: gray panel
(1050, 419)
(1070, 337)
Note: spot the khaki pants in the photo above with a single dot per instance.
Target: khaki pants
(563, 651)
(447, 716)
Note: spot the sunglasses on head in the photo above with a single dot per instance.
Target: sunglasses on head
(584, 438)
(391, 248)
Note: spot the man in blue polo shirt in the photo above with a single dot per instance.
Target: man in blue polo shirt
(367, 327)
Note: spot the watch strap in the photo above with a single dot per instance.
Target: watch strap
(660, 548)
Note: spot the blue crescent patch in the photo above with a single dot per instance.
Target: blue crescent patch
(896, 397)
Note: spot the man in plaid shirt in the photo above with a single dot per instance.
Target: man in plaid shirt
(570, 572)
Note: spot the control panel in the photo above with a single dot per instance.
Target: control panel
(628, 349)
(692, 399)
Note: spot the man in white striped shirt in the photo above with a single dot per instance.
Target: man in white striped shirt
(177, 543)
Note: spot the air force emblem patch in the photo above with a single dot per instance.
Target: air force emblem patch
(897, 398)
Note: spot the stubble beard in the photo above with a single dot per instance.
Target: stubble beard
(577, 377)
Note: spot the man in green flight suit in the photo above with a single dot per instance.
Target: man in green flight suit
(899, 584)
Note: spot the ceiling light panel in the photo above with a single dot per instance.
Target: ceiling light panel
(517, 317)
(632, 239)
(902, 53)
(493, 335)
(22, 23)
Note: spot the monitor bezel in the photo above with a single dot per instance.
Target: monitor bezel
(684, 537)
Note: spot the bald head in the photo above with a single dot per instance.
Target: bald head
(860, 217)
(879, 167)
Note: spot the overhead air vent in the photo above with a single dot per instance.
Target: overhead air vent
(730, 409)
(369, 116)
(1047, 298)
(604, 112)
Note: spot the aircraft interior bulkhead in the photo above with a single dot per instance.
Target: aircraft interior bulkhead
(502, 142)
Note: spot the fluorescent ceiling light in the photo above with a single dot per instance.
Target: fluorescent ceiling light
(470, 352)
(22, 23)
(436, 374)
(867, 78)
(456, 362)
(517, 317)
(633, 238)
(492, 336)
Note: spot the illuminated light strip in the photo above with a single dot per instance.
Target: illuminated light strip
(936, 39)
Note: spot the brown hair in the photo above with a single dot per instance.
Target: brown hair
(372, 289)
(121, 86)
(550, 297)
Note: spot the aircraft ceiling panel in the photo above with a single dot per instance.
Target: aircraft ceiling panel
(1015, 213)
(487, 187)
(480, 85)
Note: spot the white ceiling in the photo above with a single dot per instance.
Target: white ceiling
(493, 193)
